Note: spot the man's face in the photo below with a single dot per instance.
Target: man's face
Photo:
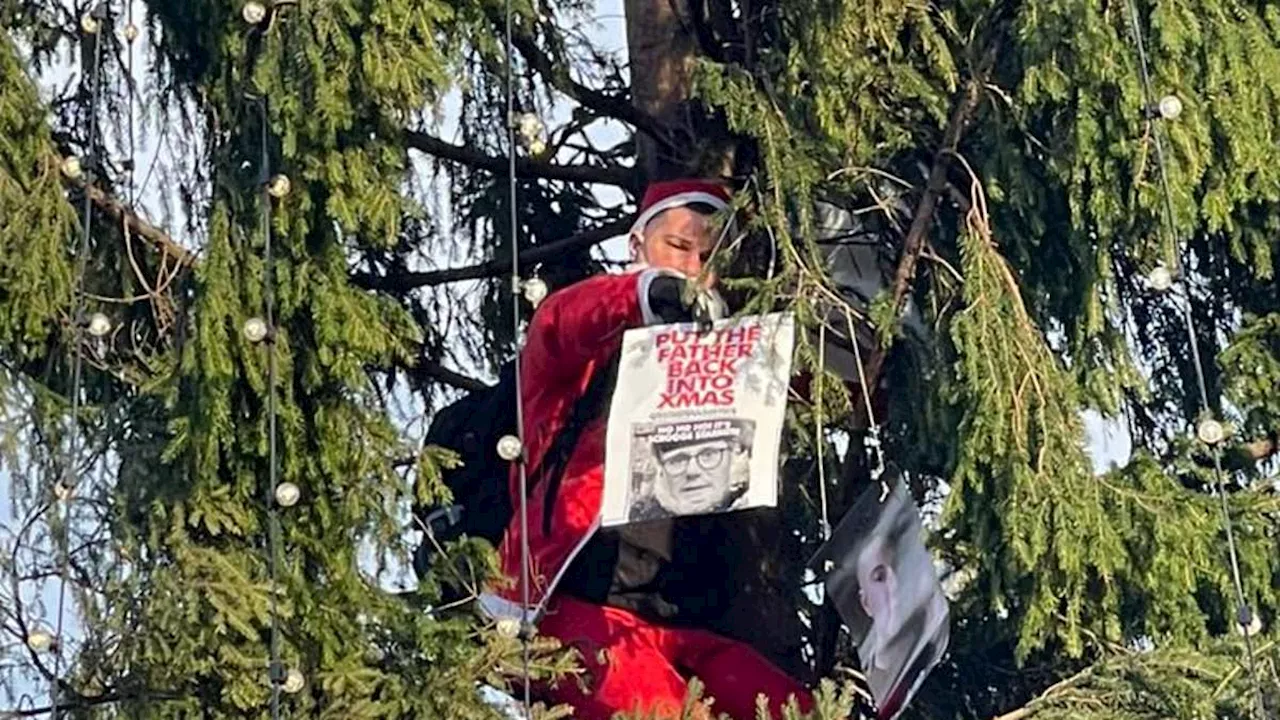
(877, 582)
(678, 239)
(695, 477)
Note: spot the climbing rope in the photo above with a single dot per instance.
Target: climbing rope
(90, 24)
(825, 528)
(872, 439)
(1244, 613)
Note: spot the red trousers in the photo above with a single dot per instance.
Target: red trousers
(634, 664)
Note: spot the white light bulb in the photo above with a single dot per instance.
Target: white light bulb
(535, 290)
(253, 12)
(293, 681)
(255, 330)
(287, 494)
(71, 167)
(130, 32)
(39, 641)
(1210, 432)
(99, 324)
(508, 627)
(530, 129)
(62, 491)
(509, 447)
(89, 23)
(1160, 279)
(1170, 107)
(1255, 626)
(279, 186)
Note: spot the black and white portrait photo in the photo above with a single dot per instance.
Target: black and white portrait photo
(882, 581)
(689, 468)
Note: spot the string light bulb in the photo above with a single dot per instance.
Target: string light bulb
(1248, 623)
(535, 290)
(293, 681)
(99, 324)
(1210, 431)
(255, 330)
(253, 12)
(40, 641)
(509, 447)
(1160, 278)
(287, 494)
(1170, 107)
(529, 128)
(130, 32)
(89, 24)
(62, 491)
(279, 186)
(508, 627)
(71, 167)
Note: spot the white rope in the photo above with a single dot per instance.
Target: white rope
(825, 528)
(872, 440)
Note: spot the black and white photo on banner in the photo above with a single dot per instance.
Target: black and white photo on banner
(882, 581)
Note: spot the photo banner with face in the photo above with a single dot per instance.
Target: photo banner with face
(882, 581)
(696, 420)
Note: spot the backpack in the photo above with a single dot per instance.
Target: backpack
(471, 426)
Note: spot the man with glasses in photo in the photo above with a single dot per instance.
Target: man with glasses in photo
(704, 474)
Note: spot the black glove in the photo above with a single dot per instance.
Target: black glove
(666, 299)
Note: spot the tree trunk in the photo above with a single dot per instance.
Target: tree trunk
(661, 52)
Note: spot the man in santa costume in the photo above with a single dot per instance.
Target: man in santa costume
(631, 599)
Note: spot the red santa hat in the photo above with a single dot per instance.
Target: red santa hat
(678, 193)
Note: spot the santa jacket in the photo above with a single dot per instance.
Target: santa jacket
(573, 334)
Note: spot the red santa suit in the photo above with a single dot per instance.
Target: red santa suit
(637, 646)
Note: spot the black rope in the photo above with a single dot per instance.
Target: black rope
(71, 459)
(277, 674)
(513, 219)
(1244, 614)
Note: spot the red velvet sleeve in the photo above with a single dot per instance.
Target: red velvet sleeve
(585, 321)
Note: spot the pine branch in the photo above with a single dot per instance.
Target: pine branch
(118, 211)
(81, 703)
(410, 280)
(525, 168)
(616, 106)
(425, 369)
(1030, 708)
(166, 245)
(922, 219)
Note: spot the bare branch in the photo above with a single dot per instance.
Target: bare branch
(117, 211)
(88, 702)
(923, 217)
(410, 280)
(435, 371)
(525, 168)
(616, 106)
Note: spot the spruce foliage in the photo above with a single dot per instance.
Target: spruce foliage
(1005, 153)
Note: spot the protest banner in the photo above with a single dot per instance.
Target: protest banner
(696, 419)
(883, 583)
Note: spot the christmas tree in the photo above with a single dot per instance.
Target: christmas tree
(248, 249)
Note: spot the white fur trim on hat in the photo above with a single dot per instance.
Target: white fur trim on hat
(677, 200)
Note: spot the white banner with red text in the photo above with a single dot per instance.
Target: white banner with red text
(696, 420)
